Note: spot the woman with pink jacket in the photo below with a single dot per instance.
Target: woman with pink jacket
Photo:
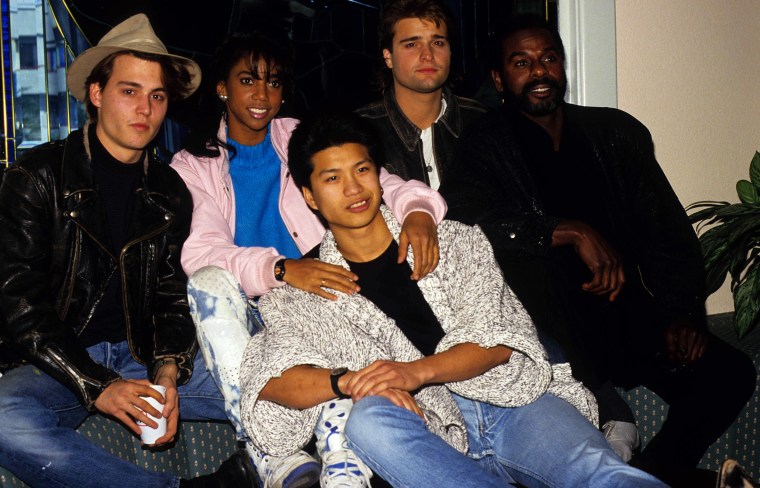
(251, 227)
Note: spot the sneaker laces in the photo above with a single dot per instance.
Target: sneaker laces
(343, 469)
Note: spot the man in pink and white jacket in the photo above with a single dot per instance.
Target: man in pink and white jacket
(227, 278)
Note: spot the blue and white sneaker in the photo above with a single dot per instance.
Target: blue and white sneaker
(298, 470)
(341, 467)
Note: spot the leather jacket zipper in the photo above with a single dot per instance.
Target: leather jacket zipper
(70, 280)
(124, 285)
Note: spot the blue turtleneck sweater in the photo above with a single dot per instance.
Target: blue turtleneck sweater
(255, 172)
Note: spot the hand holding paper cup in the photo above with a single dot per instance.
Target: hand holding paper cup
(149, 434)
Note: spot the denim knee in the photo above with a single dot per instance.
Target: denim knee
(362, 427)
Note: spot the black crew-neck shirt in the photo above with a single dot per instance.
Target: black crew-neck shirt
(116, 184)
(389, 286)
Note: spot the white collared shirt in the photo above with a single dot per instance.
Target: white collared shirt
(428, 153)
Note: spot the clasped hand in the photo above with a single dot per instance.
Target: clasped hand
(684, 343)
(389, 379)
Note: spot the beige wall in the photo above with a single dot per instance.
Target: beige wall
(690, 71)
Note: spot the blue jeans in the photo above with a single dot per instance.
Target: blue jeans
(38, 442)
(544, 444)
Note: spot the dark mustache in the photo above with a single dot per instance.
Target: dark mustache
(539, 81)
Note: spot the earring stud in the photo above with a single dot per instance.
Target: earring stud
(223, 98)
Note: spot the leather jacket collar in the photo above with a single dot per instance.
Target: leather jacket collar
(409, 133)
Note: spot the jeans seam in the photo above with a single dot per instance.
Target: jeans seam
(521, 469)
(371, 461)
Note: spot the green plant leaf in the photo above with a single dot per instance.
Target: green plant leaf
(706, 211)
(742, 229)
(715, 276)
(738, 210)
(716, 258)
(747, 191)
(706, 203)
(714, 242)
(737, 261)
(747, 302)
(753, 254)
(754, 170)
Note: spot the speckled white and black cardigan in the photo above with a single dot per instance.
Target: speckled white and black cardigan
(473, 305)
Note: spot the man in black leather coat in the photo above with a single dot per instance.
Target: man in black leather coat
(419, 119)
(595, 243)
(93, 305)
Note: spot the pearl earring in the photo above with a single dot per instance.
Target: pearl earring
(223, 98)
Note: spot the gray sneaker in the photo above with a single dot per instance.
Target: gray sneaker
(623, 438)
(298, 470)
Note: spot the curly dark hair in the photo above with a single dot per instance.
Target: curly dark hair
(257, 49)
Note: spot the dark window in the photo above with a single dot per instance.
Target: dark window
(27, 52)
(51, 59)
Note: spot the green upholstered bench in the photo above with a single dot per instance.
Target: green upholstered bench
(201, 447)
(740, 441)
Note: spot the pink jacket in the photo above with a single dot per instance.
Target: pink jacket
(211, 240)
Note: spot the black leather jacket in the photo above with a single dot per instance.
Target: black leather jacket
(492, 187)
(55, 266)
(401, 138)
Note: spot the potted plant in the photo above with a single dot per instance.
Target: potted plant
(730, 239)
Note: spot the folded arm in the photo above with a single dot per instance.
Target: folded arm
(601, 258)
(461, 362)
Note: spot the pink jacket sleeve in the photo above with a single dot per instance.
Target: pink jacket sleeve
(404, 197)
(211, 241)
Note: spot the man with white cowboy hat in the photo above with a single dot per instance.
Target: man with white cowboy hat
(93, 306)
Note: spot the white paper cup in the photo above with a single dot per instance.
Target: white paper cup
(150, 435)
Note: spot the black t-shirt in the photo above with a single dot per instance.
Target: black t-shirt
(116, 184)
(389, 286)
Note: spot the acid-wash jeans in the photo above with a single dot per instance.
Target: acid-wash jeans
(38, 442)
(225, 319)
(546, 443)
